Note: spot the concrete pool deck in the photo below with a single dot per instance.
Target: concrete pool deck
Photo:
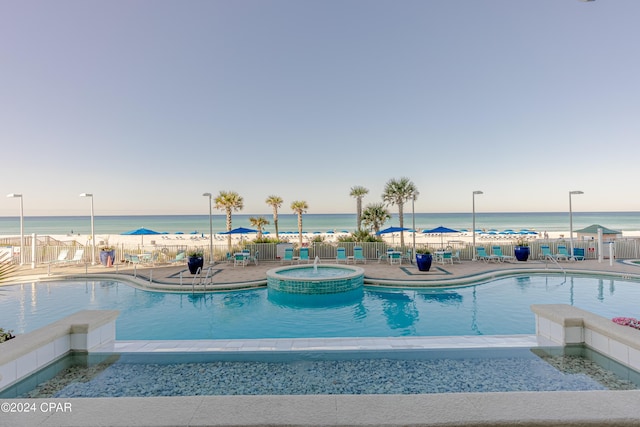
(612, 408)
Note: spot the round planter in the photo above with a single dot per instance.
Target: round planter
(521, 253)
(104, 255)
(194, 263)
(424, 261)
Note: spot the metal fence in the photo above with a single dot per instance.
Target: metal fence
(49, 254)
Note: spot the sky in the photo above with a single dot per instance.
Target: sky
(147, 104)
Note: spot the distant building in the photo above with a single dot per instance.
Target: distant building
(591, 233)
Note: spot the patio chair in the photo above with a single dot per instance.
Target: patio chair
(288, 255)
(446, 258)
(384, 256)
(497, 251)
(578, 254)
(304, 255)
(395, 257)
(358, 256)
(341, 255)
(254, 258)
(484, 256)
(62, 257)
(546, 252)
(562, 254)
(240, 258)
(455, 257)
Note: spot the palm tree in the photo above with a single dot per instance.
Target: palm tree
(358, 192)
(229, 201)
(299, 207)
(259, 223)
(398, 192)
(375, 215)
(275, 202)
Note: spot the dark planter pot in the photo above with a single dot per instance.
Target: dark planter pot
(424, 261)
(104, 255)
(194, 263)
(521, 252)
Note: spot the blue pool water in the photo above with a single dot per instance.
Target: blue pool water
(494, 308)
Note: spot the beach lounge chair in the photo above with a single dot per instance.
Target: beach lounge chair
(131, 259)
(563, 254)
(578, 254)
(497, 251)
(484, 256)
(180, 258)
(288, 255)
(77, 257)
(341, 255)
(304, 255)
(62, 257)
(546, 252)
(358, 255)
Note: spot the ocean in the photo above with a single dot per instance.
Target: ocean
(539, 221)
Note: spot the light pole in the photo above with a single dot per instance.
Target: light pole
(571, 220)
(21, 226)
(413, 225)
(93, 234)
(473, 229)
(210, 229)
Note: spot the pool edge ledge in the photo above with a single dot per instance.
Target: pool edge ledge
(81, 331)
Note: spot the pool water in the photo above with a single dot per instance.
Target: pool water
(498, 307)
(379, 372)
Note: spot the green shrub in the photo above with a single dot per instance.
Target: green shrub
(5, 335)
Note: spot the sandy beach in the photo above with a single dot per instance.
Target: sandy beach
(202, 240)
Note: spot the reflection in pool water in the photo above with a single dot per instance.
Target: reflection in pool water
(500, 307)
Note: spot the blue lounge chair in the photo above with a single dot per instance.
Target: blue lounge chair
(546, 252)
(578, 254)
(484, 256)
(341, 255)
(304, 255)
(358, 255)
(180, 258)
(288, 255)
(563, 254)
(497, 251)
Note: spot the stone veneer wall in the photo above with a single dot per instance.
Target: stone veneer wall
(565, 324)
(27, 353)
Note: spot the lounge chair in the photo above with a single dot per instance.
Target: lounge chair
(384, 256)
(562, 254)
(497, 251)
(304, 255)
(180, 258)
(578, 254)
(341, 255)
(131, 259)
(77, 257)
(484, 256)
(288, 255)
(62, 257)
(546, 252)
(357, 255)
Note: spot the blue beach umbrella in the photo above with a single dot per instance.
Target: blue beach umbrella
(441, 230)
(239, 230)
(140, 232)
(392, 230)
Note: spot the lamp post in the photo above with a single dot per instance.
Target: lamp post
(413, 225)
(473, 229)
(93, 234)
(210, 228)
(21, 226)
(571, 219)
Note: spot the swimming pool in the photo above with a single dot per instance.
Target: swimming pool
(498, 307)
